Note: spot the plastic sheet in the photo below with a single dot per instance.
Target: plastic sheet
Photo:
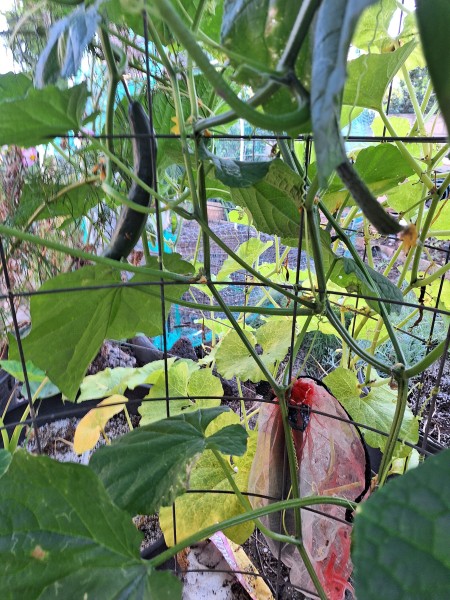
(332, 461)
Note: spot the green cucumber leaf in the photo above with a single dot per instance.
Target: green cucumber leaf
(5, 461)
(13, 86)
(167, 448)
(274, 202)
(234, 360)
(370, 74)
(55, 542)
(44, 202)
(257, 30)
(372, 30)
(434, 40)
(346, 273)
(376, 409)
(382, 167)
(69, 328)
(35, 377)
(40, 115)
(250, 251)
(196, 511)
(236, 173)
(185, 379)
(400, 536)
(115, 381)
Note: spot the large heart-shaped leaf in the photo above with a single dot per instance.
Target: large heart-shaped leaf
(60, 532)
(376, 409)
(274, 202)
(370, 74)
(184, 380)
(147, 467)
(382, 167)
(68, 328)
(372, 30)
(234, 360)
(400, 537)
(39, 115)
(195, 511)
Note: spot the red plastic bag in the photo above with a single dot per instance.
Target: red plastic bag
(332, 461)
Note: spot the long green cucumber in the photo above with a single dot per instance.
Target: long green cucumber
(131, 223)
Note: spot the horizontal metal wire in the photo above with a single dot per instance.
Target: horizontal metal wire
(253, 136)
(286, 286)
(80, 409)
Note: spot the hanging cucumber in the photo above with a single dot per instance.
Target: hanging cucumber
(131, 223)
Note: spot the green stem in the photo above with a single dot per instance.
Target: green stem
(405, 153)
(426, 227)
(18, 429)
(147, 255)
(342, 331)
(427, 361)
(428, 280)
(283, 505)
(383, 312)
(188, 41)
(245, 502)
(391, 441)
(414, 102)
(267, 374)
(114, 78)
(243, 409)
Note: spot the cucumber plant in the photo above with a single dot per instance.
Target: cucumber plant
(212, 65)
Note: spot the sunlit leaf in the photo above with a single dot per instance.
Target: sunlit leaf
(377, 408)
(196, 511)
(274, 202)
(234, 360)
(93, 423)
(370, 74)
(83, 320)
(27, 121)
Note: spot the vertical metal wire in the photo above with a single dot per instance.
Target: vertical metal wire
(436, 390)
(19, 346)
(159, 237)
(292, 342)
(433, 323)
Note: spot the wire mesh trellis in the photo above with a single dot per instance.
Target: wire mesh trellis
(240, 283)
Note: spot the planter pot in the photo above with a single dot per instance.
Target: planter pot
(8, 387)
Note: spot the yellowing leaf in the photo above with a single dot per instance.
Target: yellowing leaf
(409, 237)
(198, 510)
(91, 425)
(176, 128)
